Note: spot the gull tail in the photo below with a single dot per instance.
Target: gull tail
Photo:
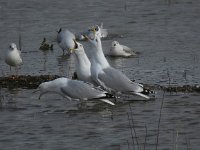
(142, 95)
(108, 95)
(107, 101)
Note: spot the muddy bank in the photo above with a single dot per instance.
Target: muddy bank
(32, 82)
(25, 81)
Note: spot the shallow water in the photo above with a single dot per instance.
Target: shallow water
(166, 35)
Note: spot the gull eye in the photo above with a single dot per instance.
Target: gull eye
(114, 44)
(96, 40)
(96, 29)
(11, 47)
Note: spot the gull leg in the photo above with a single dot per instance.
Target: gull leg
(109, 90)
(16, 72)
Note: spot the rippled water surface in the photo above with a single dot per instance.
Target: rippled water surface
(165, 33)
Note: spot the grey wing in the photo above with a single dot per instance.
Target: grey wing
(65, 34)
(70, 34)
(116, 80)
(127, 49)
(81, 90)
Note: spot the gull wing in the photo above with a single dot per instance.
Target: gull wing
(81, 90)
(128, 50)
(116, 80)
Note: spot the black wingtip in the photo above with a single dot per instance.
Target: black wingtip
(108, 95)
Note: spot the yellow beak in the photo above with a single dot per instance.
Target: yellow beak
(75, 47)
(71, 50)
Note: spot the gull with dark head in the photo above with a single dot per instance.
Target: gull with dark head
(72, 90)
(103, 74)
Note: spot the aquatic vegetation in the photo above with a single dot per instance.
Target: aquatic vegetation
(25, 81)
(32, 82)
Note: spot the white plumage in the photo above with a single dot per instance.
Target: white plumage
(82, 64)
(120, 50)
(106, 76)
(13, 56)
(72, 89)
(65, 40)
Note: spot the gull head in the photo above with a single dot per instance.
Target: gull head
(115, 43)
(96, 30)
(43, 86)
(12, 46)
(78, 47)
(93, 36)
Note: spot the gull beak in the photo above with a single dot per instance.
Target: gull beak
(93, 29)
(71, 50)
(86, 37)
(75, 47)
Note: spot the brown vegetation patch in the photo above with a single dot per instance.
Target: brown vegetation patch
(25, 81)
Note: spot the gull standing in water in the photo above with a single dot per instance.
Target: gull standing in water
(106, 76)
(120, 50)
(65, 40)
(72, 89)
(13, 56)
